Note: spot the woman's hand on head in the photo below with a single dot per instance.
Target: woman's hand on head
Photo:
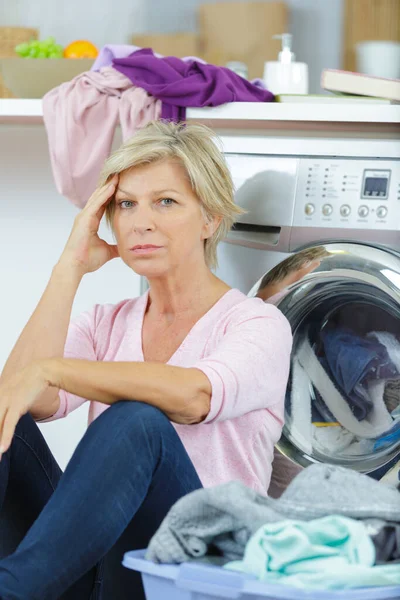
(85, 250)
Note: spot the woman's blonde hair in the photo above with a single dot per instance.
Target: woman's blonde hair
(205, 165)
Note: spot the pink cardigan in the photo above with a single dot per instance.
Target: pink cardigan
(242, 345)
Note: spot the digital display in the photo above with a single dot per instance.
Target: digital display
(376, 184)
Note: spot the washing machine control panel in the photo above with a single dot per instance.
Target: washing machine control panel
(347, 193)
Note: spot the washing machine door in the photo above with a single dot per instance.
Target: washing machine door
(343, 397)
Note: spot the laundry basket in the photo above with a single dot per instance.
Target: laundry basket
(193, 581)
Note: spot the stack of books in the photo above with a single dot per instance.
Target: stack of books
(349, 87)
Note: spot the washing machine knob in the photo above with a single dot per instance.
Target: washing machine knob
(327, 210)
(381, 212)
(363, 211)
(309, 209)
(345, 210)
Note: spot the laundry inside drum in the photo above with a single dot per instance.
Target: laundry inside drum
(343, 399)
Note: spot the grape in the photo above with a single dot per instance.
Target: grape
(22, 49)
(40, 49)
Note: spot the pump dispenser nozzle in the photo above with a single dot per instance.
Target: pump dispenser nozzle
(286, 55)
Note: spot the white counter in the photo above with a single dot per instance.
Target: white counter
(30, 111)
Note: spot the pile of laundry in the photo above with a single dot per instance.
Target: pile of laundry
(129, 86)
(345, 396)
(332, 528)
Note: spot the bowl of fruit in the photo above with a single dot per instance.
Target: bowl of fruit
(41, 65)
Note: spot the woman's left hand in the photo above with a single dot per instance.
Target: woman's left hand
(18, 393)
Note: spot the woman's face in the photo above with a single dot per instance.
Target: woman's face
(155, 204)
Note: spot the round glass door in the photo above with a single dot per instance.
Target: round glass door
(343, 397)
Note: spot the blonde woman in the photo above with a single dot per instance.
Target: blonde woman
(186, 383)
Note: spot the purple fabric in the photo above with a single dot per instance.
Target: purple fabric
(259, 83)
(180, 84)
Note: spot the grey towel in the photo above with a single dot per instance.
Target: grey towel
(221, 519)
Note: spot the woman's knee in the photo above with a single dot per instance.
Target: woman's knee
(135, 419)
(134, 410)
(134, 427)
(26, 423)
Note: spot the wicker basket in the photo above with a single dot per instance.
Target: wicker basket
(9, 38)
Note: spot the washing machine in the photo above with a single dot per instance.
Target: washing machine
(321, 240)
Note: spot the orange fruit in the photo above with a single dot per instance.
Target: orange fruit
(81, 49)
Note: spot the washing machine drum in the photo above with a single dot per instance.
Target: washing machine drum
(343, 397)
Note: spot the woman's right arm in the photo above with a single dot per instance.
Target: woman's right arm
(45, 333)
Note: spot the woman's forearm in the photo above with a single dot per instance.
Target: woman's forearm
(45, 333)
(183, 394)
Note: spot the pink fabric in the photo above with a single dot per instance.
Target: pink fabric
(242, 345)
(80, 118)
(111, 51)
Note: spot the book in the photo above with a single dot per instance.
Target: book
(347, 82)
(330, 99)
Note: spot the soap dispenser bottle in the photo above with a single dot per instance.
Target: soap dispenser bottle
(285, 76)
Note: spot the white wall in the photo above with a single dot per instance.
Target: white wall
(315, 24)
(35, 223)
(105, 21)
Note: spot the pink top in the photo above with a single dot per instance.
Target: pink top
(242, 345)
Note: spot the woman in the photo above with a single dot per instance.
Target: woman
(186, 383)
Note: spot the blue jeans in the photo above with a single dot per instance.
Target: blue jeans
(63, 535)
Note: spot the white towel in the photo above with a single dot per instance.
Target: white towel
(379, 416)
(300, 411)
(391, 344)
(332, 439)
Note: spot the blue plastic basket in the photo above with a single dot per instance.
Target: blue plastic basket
(191, 581)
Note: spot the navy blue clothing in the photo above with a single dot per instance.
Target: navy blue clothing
(353, 361)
